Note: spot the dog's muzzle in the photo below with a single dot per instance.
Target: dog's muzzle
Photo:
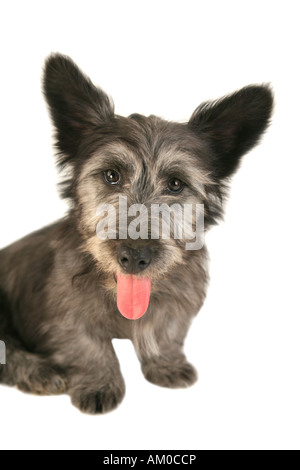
(133, 260)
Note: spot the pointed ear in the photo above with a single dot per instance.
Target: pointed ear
(76, 106)
(232, 126)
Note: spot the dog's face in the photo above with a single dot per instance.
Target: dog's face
(145, 161)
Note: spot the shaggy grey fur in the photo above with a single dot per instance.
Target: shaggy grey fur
(58, 311)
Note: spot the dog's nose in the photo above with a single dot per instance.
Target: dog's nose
(134, 261)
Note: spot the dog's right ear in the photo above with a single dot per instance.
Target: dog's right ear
(77, 107)
(232, 125)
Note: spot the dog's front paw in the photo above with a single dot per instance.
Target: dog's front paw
(173, 375)
(105, 399)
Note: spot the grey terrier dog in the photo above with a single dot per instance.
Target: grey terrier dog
(65, 292)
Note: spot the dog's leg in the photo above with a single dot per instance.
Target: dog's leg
(160, 351)
(170, 369)
(29, 372)
(95, 383)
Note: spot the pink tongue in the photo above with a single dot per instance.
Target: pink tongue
(133, 295)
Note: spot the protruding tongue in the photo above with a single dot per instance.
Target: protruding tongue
(133, 295)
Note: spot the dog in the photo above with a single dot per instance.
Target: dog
(65, 292)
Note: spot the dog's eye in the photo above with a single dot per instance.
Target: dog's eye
(175, 185)
(112, 177)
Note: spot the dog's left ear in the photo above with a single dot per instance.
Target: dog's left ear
(76, 105)
(232, 126)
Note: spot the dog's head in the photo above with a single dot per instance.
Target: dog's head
(125, 167)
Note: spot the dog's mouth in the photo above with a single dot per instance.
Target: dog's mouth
(133, 295)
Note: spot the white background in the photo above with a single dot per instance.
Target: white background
(165, 57)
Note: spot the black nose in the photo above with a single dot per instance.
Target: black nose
(134, 261)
